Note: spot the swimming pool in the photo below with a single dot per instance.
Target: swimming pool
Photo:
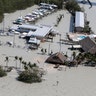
(81, 37)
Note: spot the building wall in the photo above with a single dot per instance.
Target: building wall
(79, 21)
(78, 29)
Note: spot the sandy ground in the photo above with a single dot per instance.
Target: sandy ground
(90, 14)
(78, 81)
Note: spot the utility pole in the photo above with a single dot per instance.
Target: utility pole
(14, 40)
(49, 49)
(60, 43)
(3, 23)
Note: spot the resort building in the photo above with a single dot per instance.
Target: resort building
(57, 58)
(79, 21)
(40, 31)
(88, 45)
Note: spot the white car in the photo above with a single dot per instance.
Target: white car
(29, 17)
(40, 13)
(36, 13)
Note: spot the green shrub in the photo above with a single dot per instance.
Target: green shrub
(7, 6)
(29, 77)
(31, 74)
(2, 72)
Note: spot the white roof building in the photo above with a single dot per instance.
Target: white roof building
(79, 19)
(41, 31)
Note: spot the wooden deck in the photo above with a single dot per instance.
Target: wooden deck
(65, 41)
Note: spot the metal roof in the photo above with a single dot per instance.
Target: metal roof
(41, 31)
(79, 19)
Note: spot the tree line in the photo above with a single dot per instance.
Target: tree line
(57, 2)
(8, 6)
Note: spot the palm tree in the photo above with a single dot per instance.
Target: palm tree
(16, 58)
(89, 3)
(25, 65)
(20, 59)
(42, 50)
(7, 60)
(45, 51)
(80, 57)
(66, 55)
(74, 55)
(30, 65)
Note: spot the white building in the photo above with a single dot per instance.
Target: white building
(79, 21)
(40, 32)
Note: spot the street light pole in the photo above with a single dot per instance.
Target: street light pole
(49, 49)
(20, 13)
(60, 43)
(13, 40)
(3, 24)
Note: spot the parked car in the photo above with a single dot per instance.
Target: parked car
(40, 13)
(29, 17)
(36, 14)
(33, 46)
(18, 21)
(9, 43)
(23, 35)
